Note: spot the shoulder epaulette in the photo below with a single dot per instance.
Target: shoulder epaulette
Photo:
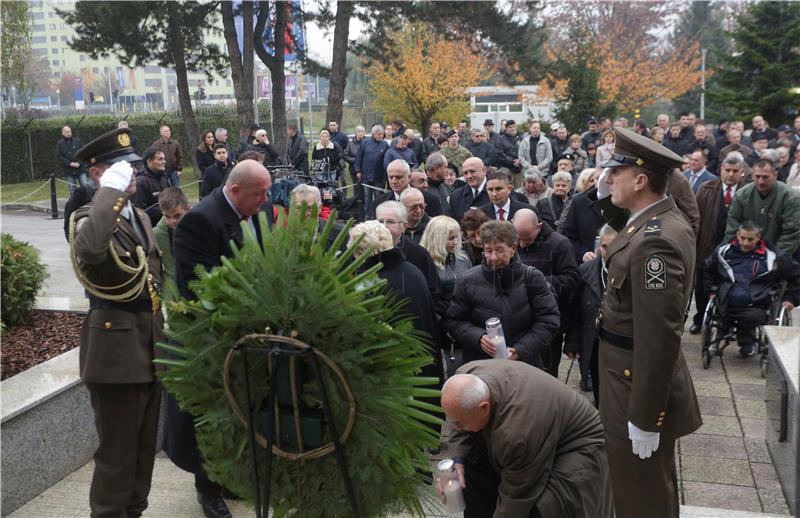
(652, 227)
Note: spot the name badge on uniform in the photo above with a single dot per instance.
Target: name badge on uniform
(655, 273)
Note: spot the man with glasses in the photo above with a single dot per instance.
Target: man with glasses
(394, 216)
(417, 220)
(399, 174)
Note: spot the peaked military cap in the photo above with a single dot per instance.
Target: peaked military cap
(630, 148)
(114, 146)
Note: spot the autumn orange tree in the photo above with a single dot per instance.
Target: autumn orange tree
(633, 68)
(426, 79)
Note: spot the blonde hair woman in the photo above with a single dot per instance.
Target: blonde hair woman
(442, 240)
(586, 180)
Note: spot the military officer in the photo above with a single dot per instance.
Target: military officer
(648, 400)
(116, 259)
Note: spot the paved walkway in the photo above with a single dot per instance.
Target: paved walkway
(724, 465)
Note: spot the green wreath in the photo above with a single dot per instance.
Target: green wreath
(291, 284)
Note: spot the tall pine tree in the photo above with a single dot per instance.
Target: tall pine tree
(762, 74)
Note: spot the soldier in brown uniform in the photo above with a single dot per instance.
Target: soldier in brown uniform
(116, 259)
(648, 400)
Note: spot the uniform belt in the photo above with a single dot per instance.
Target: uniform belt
(135, 306)
(621, 341)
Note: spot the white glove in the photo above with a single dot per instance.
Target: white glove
(644, 443)
(118, 176)
(603, 189)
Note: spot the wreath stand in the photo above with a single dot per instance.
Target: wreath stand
(278, 348)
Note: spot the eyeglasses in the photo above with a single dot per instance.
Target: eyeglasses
(418, 206)
(391, 221)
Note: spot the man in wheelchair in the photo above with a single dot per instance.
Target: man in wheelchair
(745, 276)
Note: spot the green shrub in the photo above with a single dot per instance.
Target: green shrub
(21, 276)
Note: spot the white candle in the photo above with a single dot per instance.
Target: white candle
(454, 496)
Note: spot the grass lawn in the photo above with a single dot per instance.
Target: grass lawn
(10, 193)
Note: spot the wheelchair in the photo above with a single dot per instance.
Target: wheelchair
(718, 331)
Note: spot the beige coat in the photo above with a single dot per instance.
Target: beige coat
(544, 440)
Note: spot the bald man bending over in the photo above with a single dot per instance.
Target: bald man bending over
(203, 237)
(525, 444)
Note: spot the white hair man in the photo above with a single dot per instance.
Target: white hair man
(399, 175)
(519, 459)
(394, 216)
(311, 196)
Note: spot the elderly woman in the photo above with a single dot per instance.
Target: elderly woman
(580, 219)
(403, 279)
(533, 187)
(502, 287)
(470, 228)
(562, 185)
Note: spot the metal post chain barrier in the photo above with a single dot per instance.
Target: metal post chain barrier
(45, 184)
(363, 185)
(53, 199)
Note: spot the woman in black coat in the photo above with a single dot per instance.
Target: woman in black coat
(505, 288)
(405, 280)
(204, 154)
(328, 151)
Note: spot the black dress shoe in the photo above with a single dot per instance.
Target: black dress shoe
(213, 506)
(695, 329)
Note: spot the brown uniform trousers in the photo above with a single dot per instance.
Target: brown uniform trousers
(643, 375)
(116, 355)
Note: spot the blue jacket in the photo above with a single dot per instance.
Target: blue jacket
(394, 153)
(705, 176)
(750, 280)
(369, 161)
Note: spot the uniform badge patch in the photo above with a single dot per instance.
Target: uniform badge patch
(655, 273)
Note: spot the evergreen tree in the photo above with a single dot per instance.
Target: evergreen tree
(702, 22)
(166, 33)
(582, 97)
(761, 75)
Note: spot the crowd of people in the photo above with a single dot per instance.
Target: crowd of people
(475, 225)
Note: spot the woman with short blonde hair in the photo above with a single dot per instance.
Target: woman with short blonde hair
(374, 235)
(586, 180)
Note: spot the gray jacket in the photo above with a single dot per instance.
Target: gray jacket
(544, 154)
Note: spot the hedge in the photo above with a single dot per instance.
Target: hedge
(45, 133)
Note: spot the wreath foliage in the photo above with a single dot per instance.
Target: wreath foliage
(287, 283)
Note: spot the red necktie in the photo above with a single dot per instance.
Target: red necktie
(728, 196)
(500, 214)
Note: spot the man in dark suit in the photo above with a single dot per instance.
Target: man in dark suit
(697, 173)
(503, 204)
(201, 238)
(117, 261)
(474, 193)
(713, 200)
(399, 174)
